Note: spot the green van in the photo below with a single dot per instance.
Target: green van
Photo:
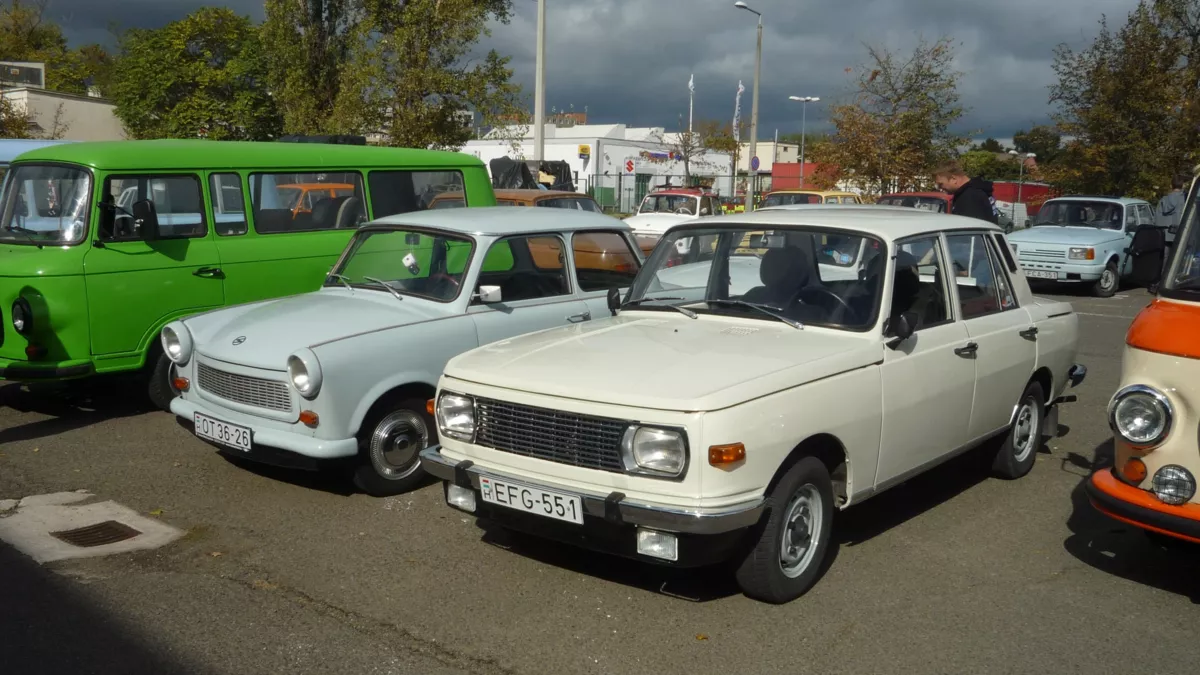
(101, 244)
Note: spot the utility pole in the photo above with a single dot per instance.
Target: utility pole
(539, 88)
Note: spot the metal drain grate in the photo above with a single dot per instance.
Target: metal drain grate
(108, 532)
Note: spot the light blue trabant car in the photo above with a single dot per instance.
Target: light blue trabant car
(1082, 240)
(346, 372)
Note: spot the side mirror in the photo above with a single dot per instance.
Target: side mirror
(1146, 252)
(489, 295)
(614, 300)
(901, 328)
(145, 219)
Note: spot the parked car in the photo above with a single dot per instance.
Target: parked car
(934, 202)
(1082, 240)
(661, 209)
(558, 199)
(107, 242)
(788, 197)
(345, 372)
(774, 387)
(1152, 483)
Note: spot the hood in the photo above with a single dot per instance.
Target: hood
(975, 184)
(1070, 235)
(666, 362)
(656, 222)
(276, 328)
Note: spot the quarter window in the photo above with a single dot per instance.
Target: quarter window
(603, 260)
(982, 287)
(525, 268)
(304, 202)
(229, 207)
(177, 200)
(395, 192)
(919, 281)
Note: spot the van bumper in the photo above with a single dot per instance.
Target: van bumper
(25, 370)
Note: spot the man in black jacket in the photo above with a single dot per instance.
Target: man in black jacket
(972, 196)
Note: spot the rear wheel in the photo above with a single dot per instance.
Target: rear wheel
(390, 444)
(1107, 284)
(1019, 448)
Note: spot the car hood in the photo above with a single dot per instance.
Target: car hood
(666, 362)
(1070, 235)
(656, 222)
(267, 332)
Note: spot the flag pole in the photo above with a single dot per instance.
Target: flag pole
(691, 99)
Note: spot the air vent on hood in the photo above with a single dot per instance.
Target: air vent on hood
(739, 330)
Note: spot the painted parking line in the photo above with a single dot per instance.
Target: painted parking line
(1107, 316)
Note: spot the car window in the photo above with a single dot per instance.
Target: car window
(534, 268)
(1130, 217)
(229, 208)
(919, 281)
(849, 200)
(982, 289)
(276, 210)
(395, 192)
(603, 260)
(178, 203)
(1146, 214)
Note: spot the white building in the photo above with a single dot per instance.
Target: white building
(67, 116)
(616, 163)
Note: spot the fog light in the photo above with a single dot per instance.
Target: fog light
(661, 545)
(460, 497)
(1174, 485)
(1134, 471)
(181, 383)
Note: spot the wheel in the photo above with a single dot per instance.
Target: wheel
(1107, 284)
(160, 387)
(390, 443)
(787, 558)
(1019, 448)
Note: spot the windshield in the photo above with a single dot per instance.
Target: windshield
(788, 198)
(1184, 271)
(1081, 213)
(932, 204)
(811, 276)
(45, 205)
(684, 204)
(424, 264)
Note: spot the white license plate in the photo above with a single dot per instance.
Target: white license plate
(222, 432)
(1041, 274)
(531, 499)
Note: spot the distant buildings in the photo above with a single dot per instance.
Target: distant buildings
(55, 114)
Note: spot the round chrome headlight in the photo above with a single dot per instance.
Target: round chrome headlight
(1141, 415)
(177, 342)
(305, 373)
(22, 316)
(1174, 485)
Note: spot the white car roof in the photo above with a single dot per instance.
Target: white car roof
(884, 222)
(502, 221)
(1098, 198)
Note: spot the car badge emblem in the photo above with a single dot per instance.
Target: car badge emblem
(239, 340)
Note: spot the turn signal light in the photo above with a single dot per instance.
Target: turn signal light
(34, 352)
(429, 406)
(1134, 471)
(181, 383)
(309, 418)
(725, 455)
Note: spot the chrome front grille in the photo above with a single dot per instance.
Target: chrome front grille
(1041, 254)
(244, 389)
(552, 435)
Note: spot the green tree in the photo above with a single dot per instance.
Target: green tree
(201, 76)
(26, 35)
(990, 165)
(1042, 141)
(990, 145)
(306, 43)
(14, 122)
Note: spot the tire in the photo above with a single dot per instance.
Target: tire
(159, 387)
(390, 441)
(763, 574)
(1018, 450)
(1108, 282)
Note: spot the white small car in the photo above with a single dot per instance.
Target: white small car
(792, 363)
(346, 372)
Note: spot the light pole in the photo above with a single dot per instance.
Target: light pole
(539, 88)
(1020, 179)
(753, 108)
(804, 101)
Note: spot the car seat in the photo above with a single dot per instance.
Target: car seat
(783, 272)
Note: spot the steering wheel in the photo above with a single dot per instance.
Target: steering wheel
(844, 306)
(683, 211)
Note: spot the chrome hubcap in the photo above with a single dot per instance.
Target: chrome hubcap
(396, 443)
(801, 531)
(1025, 430)
(1107, 278)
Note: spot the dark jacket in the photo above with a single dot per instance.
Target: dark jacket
(974, 200)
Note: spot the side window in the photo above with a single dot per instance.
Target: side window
(1005, 253)
(229, 207)
(603, 260)
(1147, 216)
(978, 288)
(525, 268)
(831, 200)
(1130, 217)
(395, 192)
(919, 282)
(555, 203)
(849, 200)
(304, 202)
(178, 202)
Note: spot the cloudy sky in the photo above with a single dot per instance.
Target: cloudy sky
(629, 60)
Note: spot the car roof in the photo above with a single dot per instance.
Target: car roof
(504, 220)
(1098, 198)
(534, 194)
(693, 192)
(184, 154)
(884, 222)
(11, 148)
(936, 195)
(807, 191)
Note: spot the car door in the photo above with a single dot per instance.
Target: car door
(927, 388)
(600, 261)
(1001, 343)
(535, 289)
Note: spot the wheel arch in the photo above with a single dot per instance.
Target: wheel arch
(832, 453)
(412, 389)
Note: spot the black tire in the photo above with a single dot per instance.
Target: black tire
(391, 437)
(1019, 447)
(1109, 281)
(159, 387)
(761, 574)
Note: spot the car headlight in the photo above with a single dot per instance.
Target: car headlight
(1141, 415)
(1174, 485)
(654, 451)
(1081, 253)
(305, 373)
(177, 342)
(22, 316)
(456, 416)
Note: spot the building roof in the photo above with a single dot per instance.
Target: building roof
(505, 220)
(885, 222)
(198, 154)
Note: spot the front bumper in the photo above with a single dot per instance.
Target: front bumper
(260, 434)
(1140, 508)
(25, 370)
(1067, 272)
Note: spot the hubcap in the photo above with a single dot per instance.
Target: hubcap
(1025, 430)
(801, 531)
(1107, 278)
(396, 443)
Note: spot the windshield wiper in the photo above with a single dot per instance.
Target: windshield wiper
(386, 285)
(344, 280)
(682, 310)
(25, 232)
(774, 312)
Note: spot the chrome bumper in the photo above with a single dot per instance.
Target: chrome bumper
(613, 507)
(1076, 374)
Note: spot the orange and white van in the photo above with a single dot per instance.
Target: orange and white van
(1155, 414)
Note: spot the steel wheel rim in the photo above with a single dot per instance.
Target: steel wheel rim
(801, 531)
(396, 444)
(1107, 277)
(1024, 433)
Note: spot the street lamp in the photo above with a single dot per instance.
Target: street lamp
(539, 88)
(753, 107)
(1020, 178)
(804, 101)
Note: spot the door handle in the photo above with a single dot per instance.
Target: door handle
(1029, 333)
(579, 318)
(209, 273)
(967, 351)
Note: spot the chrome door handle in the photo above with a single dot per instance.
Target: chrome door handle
(1029, 333)
(967, 351)
(579, 318)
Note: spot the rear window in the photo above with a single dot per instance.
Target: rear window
(305, 202)
(395, 192)
(787, 199)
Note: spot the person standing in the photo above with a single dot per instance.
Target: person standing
(972, 197)
(1170, 207)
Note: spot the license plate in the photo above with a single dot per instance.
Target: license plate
(532, 499)
(1041, 274)
(227, 434)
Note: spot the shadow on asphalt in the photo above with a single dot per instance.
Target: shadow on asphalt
(1121, 550)
(48, 627)
(71, 405)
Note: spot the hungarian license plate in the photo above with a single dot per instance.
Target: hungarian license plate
(531, 499)
(1041, 274)
(226, 434)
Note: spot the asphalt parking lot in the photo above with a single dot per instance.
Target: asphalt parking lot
(953, 572)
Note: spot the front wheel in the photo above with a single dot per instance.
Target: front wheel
(1018, 451)
(161, 387)
(1107, 284)
(786, 560)
(391, 441)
